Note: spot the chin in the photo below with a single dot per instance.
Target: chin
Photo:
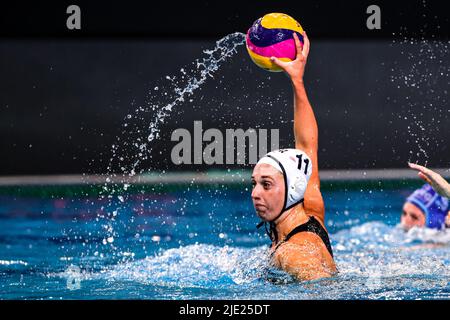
(409, 227)
(405, 228)
(265, 216)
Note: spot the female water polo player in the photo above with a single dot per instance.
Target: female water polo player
(286, 189)
(429, 205)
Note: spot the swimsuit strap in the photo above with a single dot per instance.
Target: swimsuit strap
(312, 225)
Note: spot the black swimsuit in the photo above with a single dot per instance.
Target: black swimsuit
(312, 225)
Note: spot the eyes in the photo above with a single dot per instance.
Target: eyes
(265, 183)
(412, 215)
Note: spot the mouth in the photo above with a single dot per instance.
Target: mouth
(260, 207)
(406, 227)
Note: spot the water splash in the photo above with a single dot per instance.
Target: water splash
(375, 261)
(133, 145)
(424, 78)
(384, 257)
(196, 265)
(424, 86)
(225, 48)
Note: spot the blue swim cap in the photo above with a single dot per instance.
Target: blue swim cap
(434, 206)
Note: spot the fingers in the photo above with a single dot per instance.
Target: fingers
(421, 169)
(306, 45)
(278, 62)
(301, 51)
(424, 173)
(439, 184)
(415, 166)
(298, 45)
(425, 178)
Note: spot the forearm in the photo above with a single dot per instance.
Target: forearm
(439, 184)
(446, 190)
(305, 124)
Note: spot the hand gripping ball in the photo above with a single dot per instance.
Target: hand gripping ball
(272, 36)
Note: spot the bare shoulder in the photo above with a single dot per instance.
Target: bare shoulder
(303, 256)
(310, 242)
(313, 203)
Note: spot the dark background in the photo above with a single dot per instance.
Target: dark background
(380, 96)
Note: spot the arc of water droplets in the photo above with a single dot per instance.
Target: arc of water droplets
(224, 49)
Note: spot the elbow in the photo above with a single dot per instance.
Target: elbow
(309, 145)
(308, 148)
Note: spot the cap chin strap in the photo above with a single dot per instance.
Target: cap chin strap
(272, 232)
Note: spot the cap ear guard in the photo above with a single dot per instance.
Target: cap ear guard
(297, 188)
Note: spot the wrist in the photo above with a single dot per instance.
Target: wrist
(447, 190)
(297, 82)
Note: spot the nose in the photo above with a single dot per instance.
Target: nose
(256, 193)
(406, 221)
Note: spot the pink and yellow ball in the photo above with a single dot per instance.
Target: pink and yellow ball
(272, 36)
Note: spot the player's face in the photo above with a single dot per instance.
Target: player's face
(268, 191)
(412, 216)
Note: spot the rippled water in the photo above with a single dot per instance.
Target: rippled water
(205, 246)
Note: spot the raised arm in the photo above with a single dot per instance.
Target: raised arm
(305, 124)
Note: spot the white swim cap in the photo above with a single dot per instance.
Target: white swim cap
(296, 168)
